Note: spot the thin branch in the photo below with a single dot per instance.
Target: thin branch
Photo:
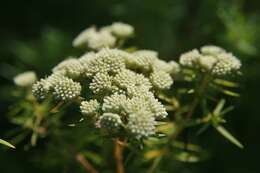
(200, 91)
(85, 163)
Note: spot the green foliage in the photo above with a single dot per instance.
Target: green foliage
(125, 92)
(170, 27)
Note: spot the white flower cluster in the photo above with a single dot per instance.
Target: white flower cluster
(107, 36)
(211, 59)
(124, 93)
(25, 79)
(61, 87)
(70, 67)
(89, 107)
(121, 86)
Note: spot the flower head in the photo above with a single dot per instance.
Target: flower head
(226, 64)
(190, 58)
(211, 50)
(114, 103)
(66, 89)
(90, 107)
(122, 30)
(161, 80)
(25, 79)
(141, 124)
(212, 59)
(110, 121)
(70, 67)
(121, 95)
(93, 39)
(40, 89)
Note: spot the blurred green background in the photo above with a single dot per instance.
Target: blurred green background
(35, 35)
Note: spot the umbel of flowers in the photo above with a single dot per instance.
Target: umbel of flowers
(108, 36)
(211, 59)
(121, 85)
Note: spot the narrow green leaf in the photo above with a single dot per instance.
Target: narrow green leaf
(6, 143)
(225, 91)
(152, 154)
(228, 109)
(187, 157)
(203, 129)
(230, 93)
(228, 136)
(71, 125)
(191, 91)
(219, 107)
(34, 138)
(188, 147)
(225, 83)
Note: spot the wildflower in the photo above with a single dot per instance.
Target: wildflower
(157, 108)
(110, 121)
(89, 107)
(144, 59)
(190, 58)
(66, 89)
(40, 89)
(122, 30)
(141, 124)
(114, 103)
(70, 67)
(127, 78)
(101, 39)
(212, 59)
(211, 50)
(122, 96)
(105, 61)
(171, 67)
(226, 64)
(207, 62)
(93, 39)
(82, 39)
(101, 83)
(25, 79)
(161, 80)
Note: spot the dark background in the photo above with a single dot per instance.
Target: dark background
(36, 34)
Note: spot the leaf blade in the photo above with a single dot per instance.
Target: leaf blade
(228, 136)
(6, 143)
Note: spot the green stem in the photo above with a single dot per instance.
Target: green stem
(37, 123)
(197, 97)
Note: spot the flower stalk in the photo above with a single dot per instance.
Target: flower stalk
(118, 154)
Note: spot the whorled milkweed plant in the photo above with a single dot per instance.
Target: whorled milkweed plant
(134, 97)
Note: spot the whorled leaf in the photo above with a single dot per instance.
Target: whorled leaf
(228, 135)
(6, 143)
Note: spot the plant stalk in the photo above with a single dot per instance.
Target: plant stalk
(85, 163)
(118, 154)
(199, 93)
